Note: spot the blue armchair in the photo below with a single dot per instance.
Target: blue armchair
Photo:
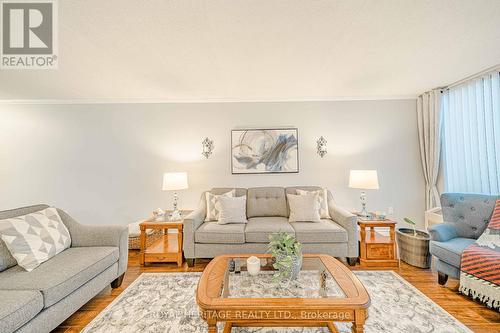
(465, 218)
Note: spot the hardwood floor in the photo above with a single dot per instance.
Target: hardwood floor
(477, 317)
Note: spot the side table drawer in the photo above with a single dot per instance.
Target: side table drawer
(379, 251)
(163, 257)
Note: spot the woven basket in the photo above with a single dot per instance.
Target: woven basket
(414, 250)
(134, 243)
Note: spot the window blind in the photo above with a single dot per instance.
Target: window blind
(471, 136)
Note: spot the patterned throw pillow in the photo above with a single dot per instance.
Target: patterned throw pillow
(35, 238)
(322, 199)
(213, 206)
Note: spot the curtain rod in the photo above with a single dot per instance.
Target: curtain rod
(471, 77)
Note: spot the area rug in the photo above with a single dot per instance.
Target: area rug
(165, 302)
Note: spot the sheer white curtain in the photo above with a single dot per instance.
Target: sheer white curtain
(471, 136)
(429, 137)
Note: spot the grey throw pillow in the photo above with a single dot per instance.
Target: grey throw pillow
(232, 210)
(6, 259)
(322, 199)
(35, 238)
(303, 208)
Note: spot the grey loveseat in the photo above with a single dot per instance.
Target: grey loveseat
(38, 301)
(465, 217)
(267, 212)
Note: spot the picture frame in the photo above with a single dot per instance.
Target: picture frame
(265, 151)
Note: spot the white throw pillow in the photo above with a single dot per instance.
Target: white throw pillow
(233, 210)
(213, 204)
(322, 198)
(303, 208)
(35, 238)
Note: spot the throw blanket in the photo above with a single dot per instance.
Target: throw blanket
(480, 265)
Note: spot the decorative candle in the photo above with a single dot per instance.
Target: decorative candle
(253, 265)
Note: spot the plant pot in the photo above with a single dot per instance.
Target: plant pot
(414, 248)
(296, 265)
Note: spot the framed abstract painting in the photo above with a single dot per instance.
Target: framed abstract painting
(273, 150)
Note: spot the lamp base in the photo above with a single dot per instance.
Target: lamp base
(363, 212)
(176, 215)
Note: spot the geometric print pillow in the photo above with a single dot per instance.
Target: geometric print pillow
(213, 205)
(35, 238)
(322, 200)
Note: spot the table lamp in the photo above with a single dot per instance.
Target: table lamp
(174, 181)
(364, 180)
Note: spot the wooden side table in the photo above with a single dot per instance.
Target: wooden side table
(166, 249)
(377, 250)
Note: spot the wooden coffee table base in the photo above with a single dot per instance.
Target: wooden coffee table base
(229, 325)
(212, 325)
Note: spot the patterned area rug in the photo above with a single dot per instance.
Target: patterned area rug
(165, 302)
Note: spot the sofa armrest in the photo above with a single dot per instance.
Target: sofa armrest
(443, 232)
(349, 222)
(192, 222)
(90, 236)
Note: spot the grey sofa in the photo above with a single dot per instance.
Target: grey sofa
(465, 217)
(267, 212)
(38, 301)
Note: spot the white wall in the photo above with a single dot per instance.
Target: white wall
(103, 163)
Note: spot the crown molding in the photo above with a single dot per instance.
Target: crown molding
(195, 101)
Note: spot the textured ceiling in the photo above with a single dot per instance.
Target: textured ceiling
(261, 50)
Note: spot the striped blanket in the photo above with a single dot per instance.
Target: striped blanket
(480, 266)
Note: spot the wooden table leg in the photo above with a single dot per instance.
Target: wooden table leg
(179, 249)
(359, 321)
(358, 328)
(212, 327)
(228, 327)
(362, 252)
(143, 245)
(331, 327)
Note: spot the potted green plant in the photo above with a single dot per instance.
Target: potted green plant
(413, 245)
(287, 254)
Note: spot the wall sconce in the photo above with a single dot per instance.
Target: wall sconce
(208, 147)
(321, 145)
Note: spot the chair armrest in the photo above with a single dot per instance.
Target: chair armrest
(93, 236)
(349, 222)
(192, 222)
(443, 232)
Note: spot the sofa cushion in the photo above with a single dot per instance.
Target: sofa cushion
(325, 231)
(469, 212)
(266, 201)
(451, 251)
(214, 233)
(62, 274)
(18, 307)
(258, 229)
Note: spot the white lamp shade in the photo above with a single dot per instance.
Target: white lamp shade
(173, 181)
(363, 179)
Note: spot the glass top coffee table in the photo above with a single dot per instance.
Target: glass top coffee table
(325, 291)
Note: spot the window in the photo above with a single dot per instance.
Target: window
(471, 136)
